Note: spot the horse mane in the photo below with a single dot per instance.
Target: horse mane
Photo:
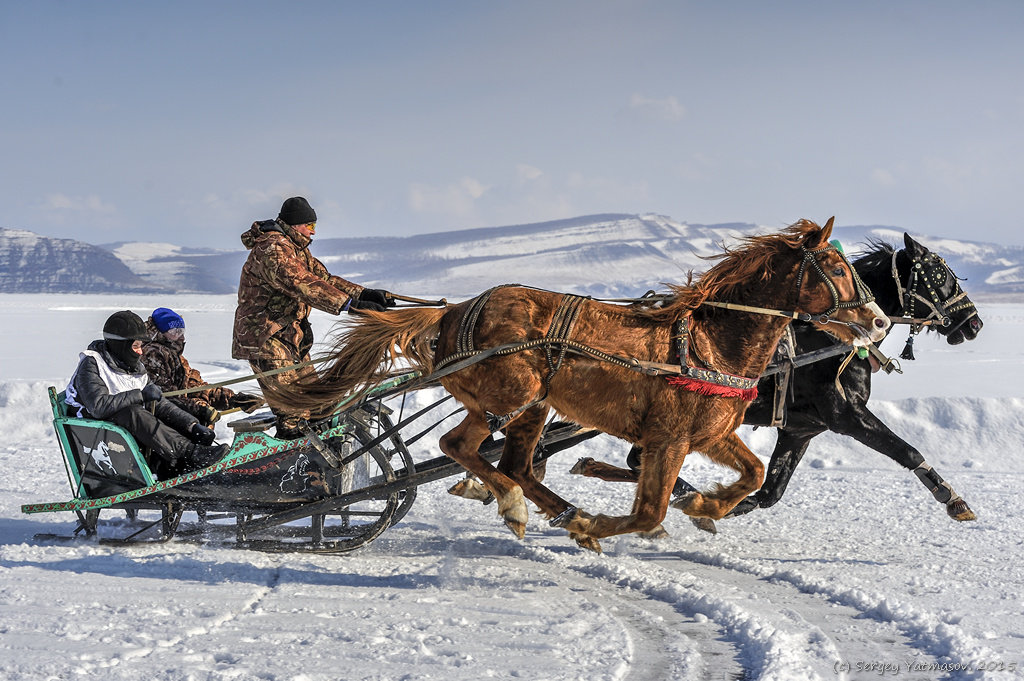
(879, 254)
(752, 260)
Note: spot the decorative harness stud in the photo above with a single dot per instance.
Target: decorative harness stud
(932, 274)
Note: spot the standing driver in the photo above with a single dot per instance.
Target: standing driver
(281, 281)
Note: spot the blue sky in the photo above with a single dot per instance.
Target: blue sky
(186, 121)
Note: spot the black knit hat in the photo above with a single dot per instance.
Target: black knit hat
(296, 211)
(125, 325)
(121, 330)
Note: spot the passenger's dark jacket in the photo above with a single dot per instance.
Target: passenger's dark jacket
(91, 392)
(170, 371)
(280, 282)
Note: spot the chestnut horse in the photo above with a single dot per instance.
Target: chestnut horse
(578, 356)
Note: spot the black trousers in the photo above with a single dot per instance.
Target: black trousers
(164, 441)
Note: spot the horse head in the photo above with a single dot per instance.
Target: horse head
(831, 292)
(928, 285)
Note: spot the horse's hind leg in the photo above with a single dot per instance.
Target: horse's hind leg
(462, 445)
(521, 437)
(732, 453)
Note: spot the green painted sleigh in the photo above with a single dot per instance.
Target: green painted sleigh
(347, 480)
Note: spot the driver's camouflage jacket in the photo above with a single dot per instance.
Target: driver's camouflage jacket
(281, 281)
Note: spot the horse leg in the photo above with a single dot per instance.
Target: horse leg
(462, 445)
(592, 468)
(521, 437)
(790, 447)
(732, 453)
(661, 464)
(862, 425)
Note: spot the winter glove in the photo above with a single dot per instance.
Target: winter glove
(208, 415)
(376, 295)
(355, 304)
(246, 402)
(152, 393)
(200, 434)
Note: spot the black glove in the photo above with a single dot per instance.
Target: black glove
(376, 295)
(356, 304)
(246, 402)
(152, 393)
(209, 415)
(201, 435)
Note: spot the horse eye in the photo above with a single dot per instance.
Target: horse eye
(838, 271)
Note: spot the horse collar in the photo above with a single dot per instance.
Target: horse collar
(706, 381)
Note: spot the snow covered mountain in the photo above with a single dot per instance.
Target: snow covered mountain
(30, 263)
(611, 255)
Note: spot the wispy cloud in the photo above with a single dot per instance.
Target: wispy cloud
(883, 177)
(665, 109)
(90, 204)
(527, 172)
(456, 199)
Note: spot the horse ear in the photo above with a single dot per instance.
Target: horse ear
(826, 231)
(912, 246)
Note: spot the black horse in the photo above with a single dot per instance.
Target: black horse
(912, 282)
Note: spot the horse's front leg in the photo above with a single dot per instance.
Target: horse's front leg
(790, 447)
(860, 423)
(732, 453)
(657, 476)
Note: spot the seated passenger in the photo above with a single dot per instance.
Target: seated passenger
(168, 368)
(111, 384)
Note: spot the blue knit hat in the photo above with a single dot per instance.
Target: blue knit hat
(165, 319)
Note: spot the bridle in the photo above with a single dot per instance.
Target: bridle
(864, 295)
(930, 275)
(747, 387)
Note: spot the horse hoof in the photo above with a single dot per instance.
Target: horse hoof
(704, 524)
(683, 502)
(512, 509)
(959, 510)
(580, 466)
(518, 529)
(658, 532)
(586, 542)
(468, 488)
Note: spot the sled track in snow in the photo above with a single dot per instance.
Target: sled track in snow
(755, 622)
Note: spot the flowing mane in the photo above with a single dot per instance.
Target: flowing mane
(749, 262)
(879, 256)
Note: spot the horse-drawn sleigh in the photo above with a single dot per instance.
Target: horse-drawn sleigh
(672, 374)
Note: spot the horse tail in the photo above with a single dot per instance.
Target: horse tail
(364, 354)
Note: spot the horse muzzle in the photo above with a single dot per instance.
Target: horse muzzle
(966, 330)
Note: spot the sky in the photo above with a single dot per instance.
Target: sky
(186, 121)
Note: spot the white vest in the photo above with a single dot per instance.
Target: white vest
(115, 381)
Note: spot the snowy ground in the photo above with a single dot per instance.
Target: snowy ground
(856, 574)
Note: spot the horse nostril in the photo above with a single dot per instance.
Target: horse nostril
(880, 323)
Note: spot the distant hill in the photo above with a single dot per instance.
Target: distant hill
(612, 255)
(30, 263)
